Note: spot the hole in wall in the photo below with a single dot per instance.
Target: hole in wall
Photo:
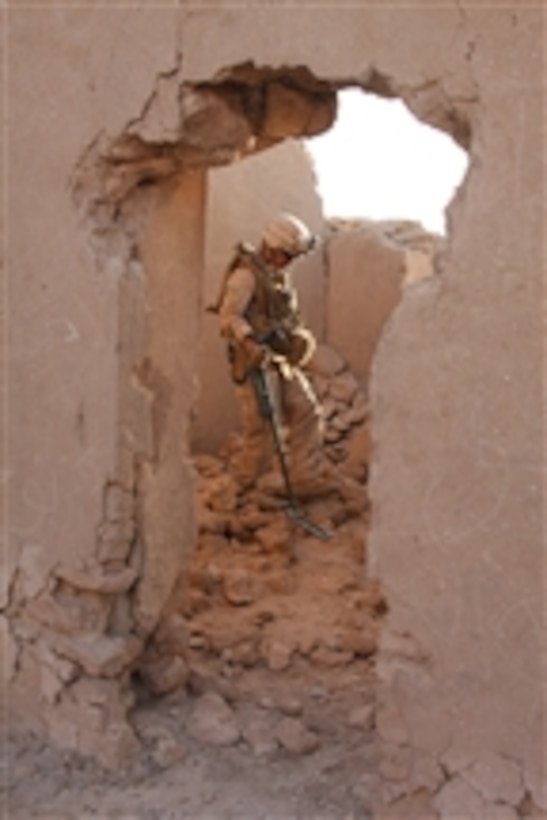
(378, 162)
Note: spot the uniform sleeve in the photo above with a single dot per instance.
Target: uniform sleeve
(237, 295)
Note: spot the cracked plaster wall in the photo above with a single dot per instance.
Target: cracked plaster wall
(105, 312)
(99, 506)
(457, 533)
(456, 484)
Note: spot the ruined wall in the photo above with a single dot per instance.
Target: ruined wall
(105, 312)
(366, 273)
(174, 260)
(457, 537)
(98, 394)
(369, 264)
(456, 484)
(241, 199)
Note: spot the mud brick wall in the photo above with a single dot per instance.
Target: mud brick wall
(111, 114)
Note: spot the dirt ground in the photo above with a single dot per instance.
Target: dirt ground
(256, 699)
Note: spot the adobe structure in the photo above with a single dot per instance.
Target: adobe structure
(112, 117)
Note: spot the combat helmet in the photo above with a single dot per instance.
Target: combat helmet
(289, 234)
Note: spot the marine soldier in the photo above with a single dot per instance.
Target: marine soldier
(259, 318)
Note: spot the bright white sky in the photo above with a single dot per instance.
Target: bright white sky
(378, 161)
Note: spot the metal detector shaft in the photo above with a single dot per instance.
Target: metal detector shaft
(267, 411)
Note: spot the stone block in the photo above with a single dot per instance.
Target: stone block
(344, 387)
(69, 612)
(99, 655)
(362, 717)
(496, 778)
(458, 799)
(97, 580)
(213, 722)
(295, 737)
(165, 675)
(326, 362)
(416, 806)
(259, 734)
(277, 654)
(240, 587)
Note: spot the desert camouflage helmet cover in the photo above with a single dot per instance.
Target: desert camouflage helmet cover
(290, 234)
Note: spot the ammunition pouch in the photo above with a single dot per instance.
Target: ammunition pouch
(279, 341)
(239, 362)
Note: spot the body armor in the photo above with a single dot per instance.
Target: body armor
(272, 314)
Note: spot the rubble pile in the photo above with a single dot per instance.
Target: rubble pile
(345, 412)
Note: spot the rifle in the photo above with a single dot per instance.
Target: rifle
(259, 381)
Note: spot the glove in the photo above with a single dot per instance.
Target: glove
(279, 341)
(255, 352)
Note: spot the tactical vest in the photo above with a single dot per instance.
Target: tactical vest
(273, 307)
(274, 304)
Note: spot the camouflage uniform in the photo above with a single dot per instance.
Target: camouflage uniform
(255, 303)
